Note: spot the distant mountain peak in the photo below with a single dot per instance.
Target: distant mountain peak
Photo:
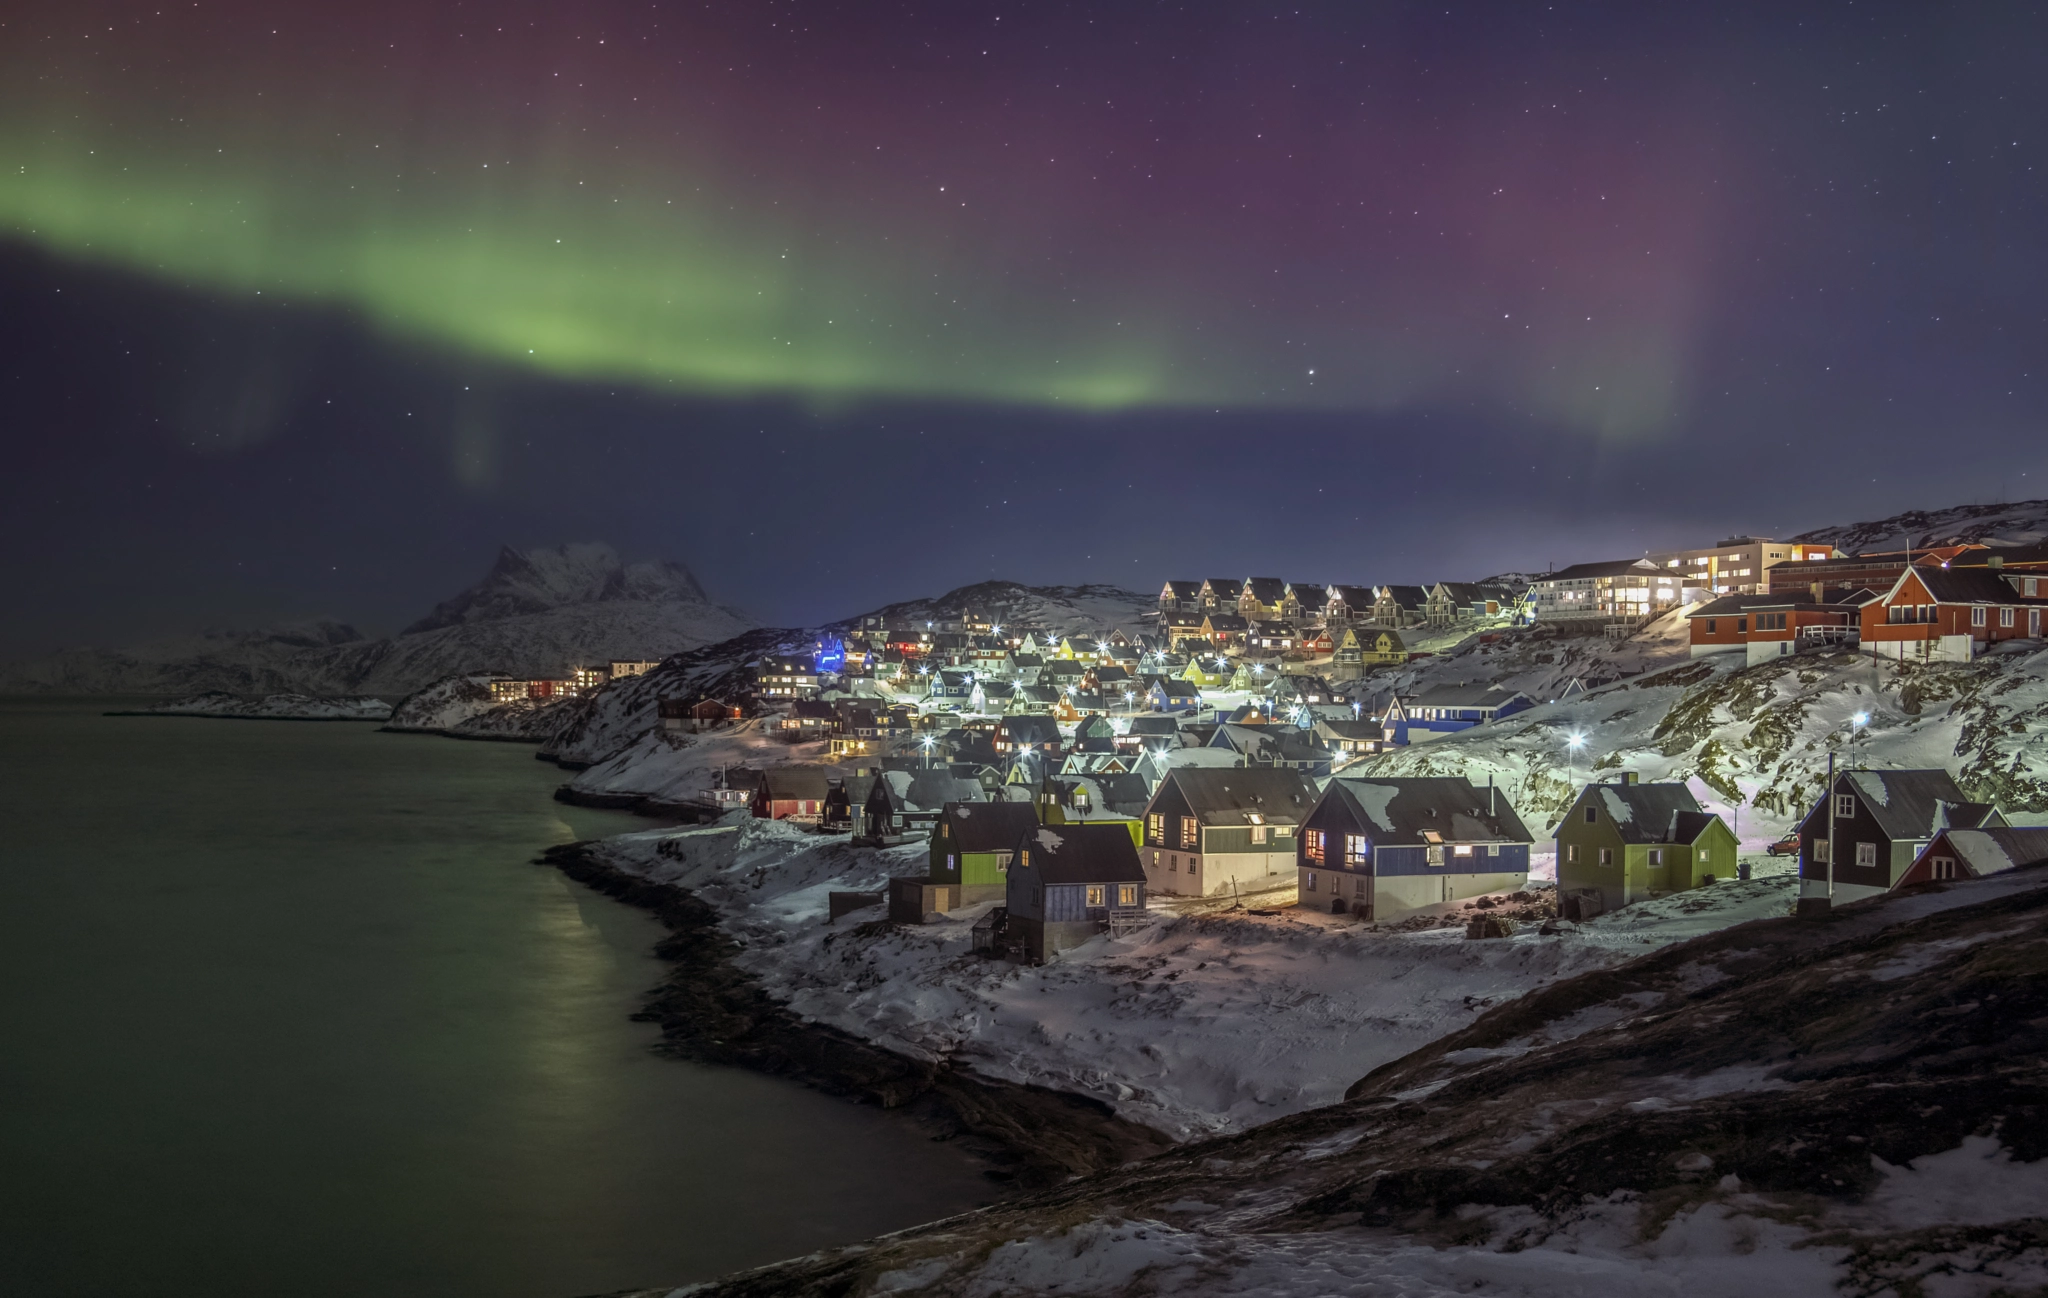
(550, 577)
(2020, 522)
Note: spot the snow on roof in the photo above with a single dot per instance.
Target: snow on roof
(1049, 840)
(1617, 808)
(1374, 800)
(1872, 785)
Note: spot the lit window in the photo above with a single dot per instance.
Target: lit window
(1311, 879)
(1607, 856)
(1095, 894)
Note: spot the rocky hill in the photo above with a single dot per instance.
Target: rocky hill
(1849, 1106)
(536, 613)
(2021, 522)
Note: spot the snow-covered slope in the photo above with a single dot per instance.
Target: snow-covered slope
(1785, 1107)
(2021, 522)
(536, 613)
(1084, 610)
(271, 707)
(1754, 741)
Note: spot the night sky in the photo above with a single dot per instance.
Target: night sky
(305, 308)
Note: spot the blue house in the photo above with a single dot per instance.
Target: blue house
(1173, 696)
(1068, 883)
(949, 684)
(1383, 848)
(1447, 709)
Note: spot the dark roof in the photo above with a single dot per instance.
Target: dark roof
(1154, 726)
(1406, 596)
(1310, 596)
(1646, 813)
(1032, 729)
(1177, 689)
(1988, 851)
(1081, 854)
(1731, 605)
(787, 782)
(1914, 804)
(1969, 586)
(1612, 568)
(1460, 592)
(1464, 694)
(813, 710)
(1184, 589)
(1357, 729)
(1398, 810)
(1691, 824)
(1354, 596)
(1225, 622)
(1232, 796)
(1225, 587)
(989, 826)
(1266, 590)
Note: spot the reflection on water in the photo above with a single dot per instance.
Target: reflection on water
(286, 1007)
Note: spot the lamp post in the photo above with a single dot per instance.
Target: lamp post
(1573, 743)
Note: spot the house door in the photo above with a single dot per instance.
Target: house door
(2034, 623)
(1447, 888)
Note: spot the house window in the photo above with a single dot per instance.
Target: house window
(1571, 853)
(1194, 865)
(1462, 849)
(1493, 849)
(1311, 880)
(1704, 855)
(1866, 854)
(1712, 626)
(1822, 853)
(1979, 615)
(1127, 894)
(1357, 851)
(1024, 859)
(1095, 892)
(1944, 867)
(2005, 616)
(1845, 805)
(1258, 833)
(1656, 856)
(1312, 845)
(1607, 856)
(1591, 815)
(1190, 832)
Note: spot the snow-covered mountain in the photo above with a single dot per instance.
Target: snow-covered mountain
(536, 613)
(2021, 522)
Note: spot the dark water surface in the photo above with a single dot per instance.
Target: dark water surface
(284, 1008)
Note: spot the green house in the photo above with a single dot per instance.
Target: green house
(1627, 842)
(972, 842)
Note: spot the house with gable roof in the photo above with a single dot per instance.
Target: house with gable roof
(1209, 830)
(1220, 594)
(1181, 597)
(1623, 842)
(1869, 827)
(1263, 599)
(971, 845)
(1974, 853)
(1069, 883)
(1386, 847)
(1943, 614)
(1452, 707)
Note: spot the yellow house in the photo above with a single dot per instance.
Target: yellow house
(1382, 647)
(1204, 674)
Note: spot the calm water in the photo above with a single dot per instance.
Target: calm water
(284, 1008)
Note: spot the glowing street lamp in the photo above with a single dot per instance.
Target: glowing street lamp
(1573, 743)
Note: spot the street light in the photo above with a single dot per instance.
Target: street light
(1573, 743)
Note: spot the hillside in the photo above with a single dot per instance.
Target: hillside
(1088, 610)
(1785, 1107)
(2021, 522)
(535, 613)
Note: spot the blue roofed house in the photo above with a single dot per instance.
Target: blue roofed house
(1384, 848)
(1447, 709)
(1068, 883)
(1167, 695)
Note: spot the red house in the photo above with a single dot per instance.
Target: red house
(1974, 853)
(1771, 626)
(790, 793)
(1942, 614)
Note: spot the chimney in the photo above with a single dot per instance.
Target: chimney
(1628, 777)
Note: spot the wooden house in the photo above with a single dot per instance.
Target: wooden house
(1070, 883)
(1206, 673)
(808, 719)
(1220, 594)
(1181, 597)
(1263, 599)
(1349, 604)
(1276, 746)
(1211, 830)
(1451, 708)
(1351, 738)
(1936, 614)
(1271, 637)
(1625, 842)
(1400, 606)
(1385, 848)
(952, 685)
(972, 843)
(1318, 642)
(1869, 828)
(1223, 629)
(1177, 628)
(1772, 626)
(1307, 603)
(1382, 647)
(1029, 732)
(693, 716)
(786, 676)
(1974, 853)
(1149, 732)
(790, 793)
(1173, 696)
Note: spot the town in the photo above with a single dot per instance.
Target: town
(1065, 779)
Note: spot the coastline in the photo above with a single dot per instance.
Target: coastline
(712, 1012)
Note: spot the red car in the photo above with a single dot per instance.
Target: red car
(1786, 846)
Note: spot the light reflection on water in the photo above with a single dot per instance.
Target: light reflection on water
(287, 1008)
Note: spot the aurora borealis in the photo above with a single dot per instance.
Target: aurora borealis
(1574, 243)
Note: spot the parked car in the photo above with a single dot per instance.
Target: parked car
(1786, 846)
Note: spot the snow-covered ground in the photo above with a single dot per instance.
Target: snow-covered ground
(1209, 1020)
(271, 707)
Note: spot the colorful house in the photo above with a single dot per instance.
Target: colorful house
(1384, 848)
(972, 843)
(791, 793)
(1869, 828)
(1070, 883)
(1936, 614)
(1206, 673)
(1450, 708)
(1625, 842)
(1209, 830)
(1974, 853)
(1173, 696)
